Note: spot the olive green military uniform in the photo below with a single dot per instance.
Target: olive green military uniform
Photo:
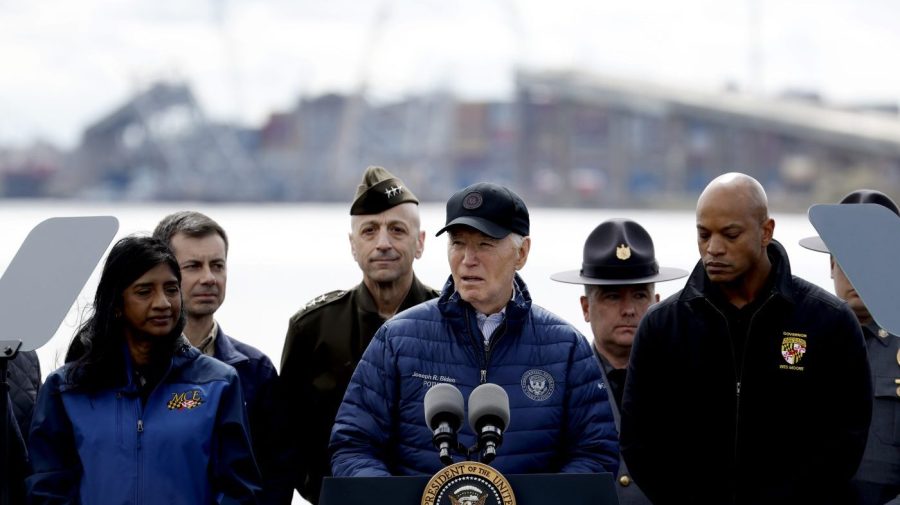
(326, 339)
(324, 342)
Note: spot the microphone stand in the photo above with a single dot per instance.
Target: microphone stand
(8, 351)
(460, 449)
(493, 437)
(446, 454)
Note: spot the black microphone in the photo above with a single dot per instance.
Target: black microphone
(488, 417)
(444, 411)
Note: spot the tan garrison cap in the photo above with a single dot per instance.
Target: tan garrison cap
(379, 191)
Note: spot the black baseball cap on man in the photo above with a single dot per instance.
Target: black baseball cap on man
(379, 191)
(490, 208)
(859, 196)
(619, 252)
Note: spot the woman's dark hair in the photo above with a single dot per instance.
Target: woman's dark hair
(96, 352)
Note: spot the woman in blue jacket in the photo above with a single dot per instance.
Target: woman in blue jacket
(140, 416)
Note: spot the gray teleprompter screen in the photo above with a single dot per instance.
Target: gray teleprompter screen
(47, 274)
(865, 241)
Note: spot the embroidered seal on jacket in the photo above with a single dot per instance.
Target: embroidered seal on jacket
(537, 384)
(793, 348)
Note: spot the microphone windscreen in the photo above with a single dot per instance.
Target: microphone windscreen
(488, 400)
(444, 399)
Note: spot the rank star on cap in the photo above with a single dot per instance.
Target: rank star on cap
(393, 191)
(379, 191)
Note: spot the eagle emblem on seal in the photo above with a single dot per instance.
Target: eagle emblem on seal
(537, 384)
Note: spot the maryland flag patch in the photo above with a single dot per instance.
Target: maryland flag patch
(793, 348)
(186, 401)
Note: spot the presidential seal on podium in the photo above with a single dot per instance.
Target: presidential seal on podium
(468, 483)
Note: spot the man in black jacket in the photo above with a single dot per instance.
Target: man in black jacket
(749, 386)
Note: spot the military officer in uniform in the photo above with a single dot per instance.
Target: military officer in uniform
(619, 273)
(327, 337)
(877, 481)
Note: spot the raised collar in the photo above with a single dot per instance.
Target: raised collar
(879, 334)
(417, 292)
(225, 350)
(780, 279)
(452, 305)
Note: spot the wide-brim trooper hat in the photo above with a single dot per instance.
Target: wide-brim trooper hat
(859, 196)
(618, 252)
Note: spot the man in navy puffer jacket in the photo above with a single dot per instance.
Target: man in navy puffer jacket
(482, 329)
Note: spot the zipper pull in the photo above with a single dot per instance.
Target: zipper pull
(140, 426)
(483, 376)
(738, 389)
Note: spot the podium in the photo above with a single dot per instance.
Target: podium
(531, 489)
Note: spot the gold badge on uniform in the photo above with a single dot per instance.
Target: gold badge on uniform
(468, 483)
(623, 252)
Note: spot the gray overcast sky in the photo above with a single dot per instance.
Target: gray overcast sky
(65, 63)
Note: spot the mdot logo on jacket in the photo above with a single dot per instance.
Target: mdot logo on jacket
(186, 400)
(538, 384)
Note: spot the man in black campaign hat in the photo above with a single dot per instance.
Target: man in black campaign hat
(877, 480)
(484, 328)
(326, 338)
(619, 273)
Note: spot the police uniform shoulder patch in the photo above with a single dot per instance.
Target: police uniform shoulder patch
(538, 384)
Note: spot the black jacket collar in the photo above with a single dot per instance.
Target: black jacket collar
(699, 286)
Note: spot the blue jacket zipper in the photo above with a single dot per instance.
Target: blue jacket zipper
(485, 353)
